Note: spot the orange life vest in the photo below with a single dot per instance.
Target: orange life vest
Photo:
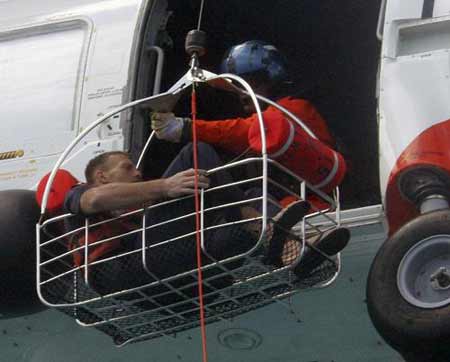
(63, 182)
(100, 232)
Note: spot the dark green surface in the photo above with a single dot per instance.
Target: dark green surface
(323, 326)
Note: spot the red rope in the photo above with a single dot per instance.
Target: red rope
(197, 225)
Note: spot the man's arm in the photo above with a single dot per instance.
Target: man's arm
(229, 134)
(117, 196)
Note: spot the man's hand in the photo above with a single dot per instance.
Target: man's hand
(183, 183)
(167, 126)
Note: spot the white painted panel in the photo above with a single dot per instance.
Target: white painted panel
(423, 37)
(77, 71)
(39, 73)
(409, 9)
(441, 8)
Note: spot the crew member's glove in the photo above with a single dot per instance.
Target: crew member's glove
(167, 126)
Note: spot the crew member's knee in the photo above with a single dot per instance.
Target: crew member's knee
(202, 148)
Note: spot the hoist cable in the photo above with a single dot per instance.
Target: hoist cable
(200, 15)
(197, 225)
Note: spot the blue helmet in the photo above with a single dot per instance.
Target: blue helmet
(255, 57)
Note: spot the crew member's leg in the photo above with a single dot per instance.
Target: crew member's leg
(175, 256)
(208, 159)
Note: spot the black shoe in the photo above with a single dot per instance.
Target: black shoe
(330, 243)
(282, 225)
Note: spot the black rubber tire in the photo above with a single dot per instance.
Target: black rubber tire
(411, 330)
(19, 214)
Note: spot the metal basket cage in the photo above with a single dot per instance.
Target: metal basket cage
(149, 287)
(151, 305)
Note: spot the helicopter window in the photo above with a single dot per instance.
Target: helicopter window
(49, 57)
(332, 52)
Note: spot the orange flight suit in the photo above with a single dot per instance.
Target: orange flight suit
(233, 135)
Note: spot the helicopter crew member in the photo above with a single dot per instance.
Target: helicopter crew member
(315, 160)
(264, 68)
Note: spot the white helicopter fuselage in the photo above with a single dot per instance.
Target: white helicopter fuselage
(63, 66)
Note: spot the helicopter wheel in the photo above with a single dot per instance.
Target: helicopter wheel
(408, 288)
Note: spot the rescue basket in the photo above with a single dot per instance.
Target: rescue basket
(146, 285)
